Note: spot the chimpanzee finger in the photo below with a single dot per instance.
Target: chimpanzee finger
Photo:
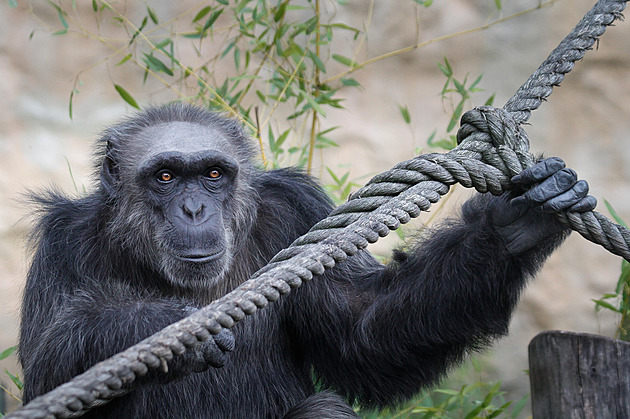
(539, 172)
(587, 204)
(566, 200)
(225, 340)
(215, 357)
(559, 183)
(215, 350)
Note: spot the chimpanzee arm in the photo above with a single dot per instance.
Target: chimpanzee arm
(90, 327)
(379, 334)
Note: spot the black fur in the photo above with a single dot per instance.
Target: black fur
(375, 334)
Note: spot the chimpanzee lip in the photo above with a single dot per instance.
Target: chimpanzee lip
(200, 257)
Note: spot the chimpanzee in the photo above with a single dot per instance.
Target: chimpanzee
(182, 213)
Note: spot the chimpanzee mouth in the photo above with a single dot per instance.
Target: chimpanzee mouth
(200, 257)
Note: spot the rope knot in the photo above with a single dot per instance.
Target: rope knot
(495, 137)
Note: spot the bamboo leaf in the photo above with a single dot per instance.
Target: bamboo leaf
(124, 60)
(344, 60)
(126, 96)
(446, 69)
(457, 113)
(213, 18)
(152, 15)
(404, 111)
(62, 18)
(7, 352)
(155, 64)
(202, 13)
(348, 81)
(70, 114)
(605, 304)
(314, 104)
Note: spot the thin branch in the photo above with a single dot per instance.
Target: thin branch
(434, 40)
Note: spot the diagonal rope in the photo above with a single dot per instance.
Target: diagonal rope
(492, 148)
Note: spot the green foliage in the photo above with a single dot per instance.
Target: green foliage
(619, 300)
(15, 379)
(470, 401)
(455, 94)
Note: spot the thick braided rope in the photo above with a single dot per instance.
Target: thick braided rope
(492, 149)
(562, 59)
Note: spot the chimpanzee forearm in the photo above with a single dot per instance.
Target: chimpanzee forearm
(91, 327)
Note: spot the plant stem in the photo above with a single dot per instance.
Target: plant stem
(311, 147)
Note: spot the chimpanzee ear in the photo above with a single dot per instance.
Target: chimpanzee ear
(109, 172)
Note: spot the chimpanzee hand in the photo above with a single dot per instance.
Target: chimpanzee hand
(212, 352)
(525, 216)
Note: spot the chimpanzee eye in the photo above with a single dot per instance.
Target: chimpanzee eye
(165, 176)
(214, 173)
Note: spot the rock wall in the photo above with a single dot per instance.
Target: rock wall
(586, 122)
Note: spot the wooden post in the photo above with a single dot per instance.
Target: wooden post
(579, 376)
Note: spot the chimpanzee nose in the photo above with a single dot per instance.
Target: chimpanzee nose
(193, 209)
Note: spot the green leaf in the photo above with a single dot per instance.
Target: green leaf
(126, 96)
(518, 407)
(344, 60)
(490, 100)
(460, 88)
(282, 138)
(348, 81)
(404, 110)
(202, 13)
(16, 380)
(317, 61)
(624, 277)
(314, 104)
(94, 6)
(323, 142)
(457, 113)
(281, 10)
(155, 64)
(605, 304)
(140, 28)
(261, 96)
(476, 82)
(447, 391)
(333, 175)
(152, 15)
(62, 18)
(446, 69)
(342, 26)
(224, 2)
(70, 114)
(213, 18)
(237, 58)
(124, 60)
(7, 352)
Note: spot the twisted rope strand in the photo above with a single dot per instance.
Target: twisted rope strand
(493, 148)
(562, 59)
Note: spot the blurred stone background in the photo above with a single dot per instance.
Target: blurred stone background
(586, 122)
